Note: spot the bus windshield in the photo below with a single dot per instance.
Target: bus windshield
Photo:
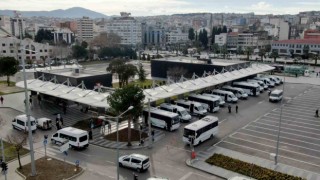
(184, 113)
(175, 120)
(188, 132)
(200, 108)
(274, 95)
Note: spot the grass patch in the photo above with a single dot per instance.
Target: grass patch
(123, 135)
(85, 124)
(247, 169)
(10, 151)
(11, 83)
(50, 169)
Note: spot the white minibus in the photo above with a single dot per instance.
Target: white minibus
(265, 80)
(201, 130)
(226, 95)
(77, 138)
(162, 119)
(194, 108)
(213, 103)
(20, 123)
(236, 91)
(261, 83)
(221, 101)
(276, 95)
(181, 111)
(250, 89)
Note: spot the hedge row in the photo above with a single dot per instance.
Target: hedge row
(247, 169)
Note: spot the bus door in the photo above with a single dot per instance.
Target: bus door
(254, 91)
(191, 108)
(225, 97)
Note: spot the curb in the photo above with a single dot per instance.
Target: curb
(20, 174)
(188, 162)
(76, 175)
(15, 159)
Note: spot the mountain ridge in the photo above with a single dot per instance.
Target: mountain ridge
(74, 12)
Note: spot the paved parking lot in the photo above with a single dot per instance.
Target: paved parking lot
(299, 137)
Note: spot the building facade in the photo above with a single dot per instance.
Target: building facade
(63, 35)
(296, 46)
(5, 23)
(127, 28)
(153, 35)
(18, 26)
(176, 36)
(25, 49)
(311, 34)
(85, 29)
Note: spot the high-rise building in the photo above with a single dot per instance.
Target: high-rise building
(18, 25)
(63, 35)
(284, 30)
(153, 35)
(127, 28)
(85, 29)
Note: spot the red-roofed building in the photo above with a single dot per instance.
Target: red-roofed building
(285, 47)
(311, 34)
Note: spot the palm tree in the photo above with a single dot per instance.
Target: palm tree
(248, 50)
(274, 55)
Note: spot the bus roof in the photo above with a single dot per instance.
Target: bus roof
(72, 130)
(221, 91)
(204, 97)
(188, 102)
(162, 112)
(246, 84)
(201, 123)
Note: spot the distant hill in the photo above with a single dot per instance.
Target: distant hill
(75, 12)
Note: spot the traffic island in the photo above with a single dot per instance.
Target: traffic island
(50, 169)
(123, 135)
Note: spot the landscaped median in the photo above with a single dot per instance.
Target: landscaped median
(247, 169)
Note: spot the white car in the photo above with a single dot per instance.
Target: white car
(135, 161)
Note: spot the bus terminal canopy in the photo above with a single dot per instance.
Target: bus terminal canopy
(98, 99)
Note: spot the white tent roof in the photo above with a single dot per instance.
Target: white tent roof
(96, 99)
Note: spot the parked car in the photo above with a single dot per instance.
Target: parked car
(135, 161)
(44, 123)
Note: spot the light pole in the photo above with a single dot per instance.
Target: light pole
(117, 118)
(279, 129)
(27, 111)
(149, 124)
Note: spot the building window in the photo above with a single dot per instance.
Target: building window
(45, 50)
(11, 51)
(3, 44)
(4, 51)
(40, 50)
(19, 51)
(11, 44)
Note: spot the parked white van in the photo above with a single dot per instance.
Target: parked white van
(226, 95)
(221, 101)
(276, 95)
(192, 107)
(273, 79)
(265, 80)
(181, 111)
(20, 123)
(77, 138)
(239, 92)
(261, 83)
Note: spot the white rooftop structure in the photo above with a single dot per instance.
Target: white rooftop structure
(98, 99)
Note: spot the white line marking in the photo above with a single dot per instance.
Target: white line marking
(273, 147)
(281, 142)
(186, 176)
(286, 132)
(293, 117)
(260, 102)
(259, 132)
(291, 124)
(289, 120)
(222, 121)
(178, 148)
(110, 162)
(288, 128)
(278, 155)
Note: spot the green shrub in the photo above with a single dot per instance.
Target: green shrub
(247, 169)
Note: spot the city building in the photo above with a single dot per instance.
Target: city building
(176, 36)
(296, 46)
(18, 25)
(153, 35)
(25, 49)
(72, 25)
(85, 29)
(243, 40)
(221, 39)
(127, 28)
(284, 30)
(63, 35)
(311, 34)
(5, 23)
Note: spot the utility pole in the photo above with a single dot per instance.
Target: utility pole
(149, 124)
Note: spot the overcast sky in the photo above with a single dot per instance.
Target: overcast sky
(167, 7)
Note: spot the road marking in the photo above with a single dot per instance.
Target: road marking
(282, 137)
(289, 120)
(186, 176)
(110, 162)
(289, 128)
(222, 121)
(178, 148)
(293, 117)
(274, 147)
(278, 155)
(261, 102)
(281, 142)
(286, 132)
(290, 124)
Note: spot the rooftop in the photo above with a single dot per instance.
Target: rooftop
(299, 41)
(215, 62)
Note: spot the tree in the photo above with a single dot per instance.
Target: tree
(148, 57)
(213, 34)
(79, 52)
(18, 141)
(8, 67)
(224, 29)
(124, 71)
(129, 71)
(215, 48)
(121, 99)
(224, 51)
(248, 50)
(141, 73)
(306, 49)
(191, 35)
(84, 44)
(262, 53)
(219, 30)
(175, 73)
(274, 55)
(205, 38)
(44, 36)
(239, 50)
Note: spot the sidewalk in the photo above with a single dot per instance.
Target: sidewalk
(200, 164)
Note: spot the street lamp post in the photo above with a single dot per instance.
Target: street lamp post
(279, 128)
(149, 124)
(117, 118)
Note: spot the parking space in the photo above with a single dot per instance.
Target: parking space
(299, 138)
